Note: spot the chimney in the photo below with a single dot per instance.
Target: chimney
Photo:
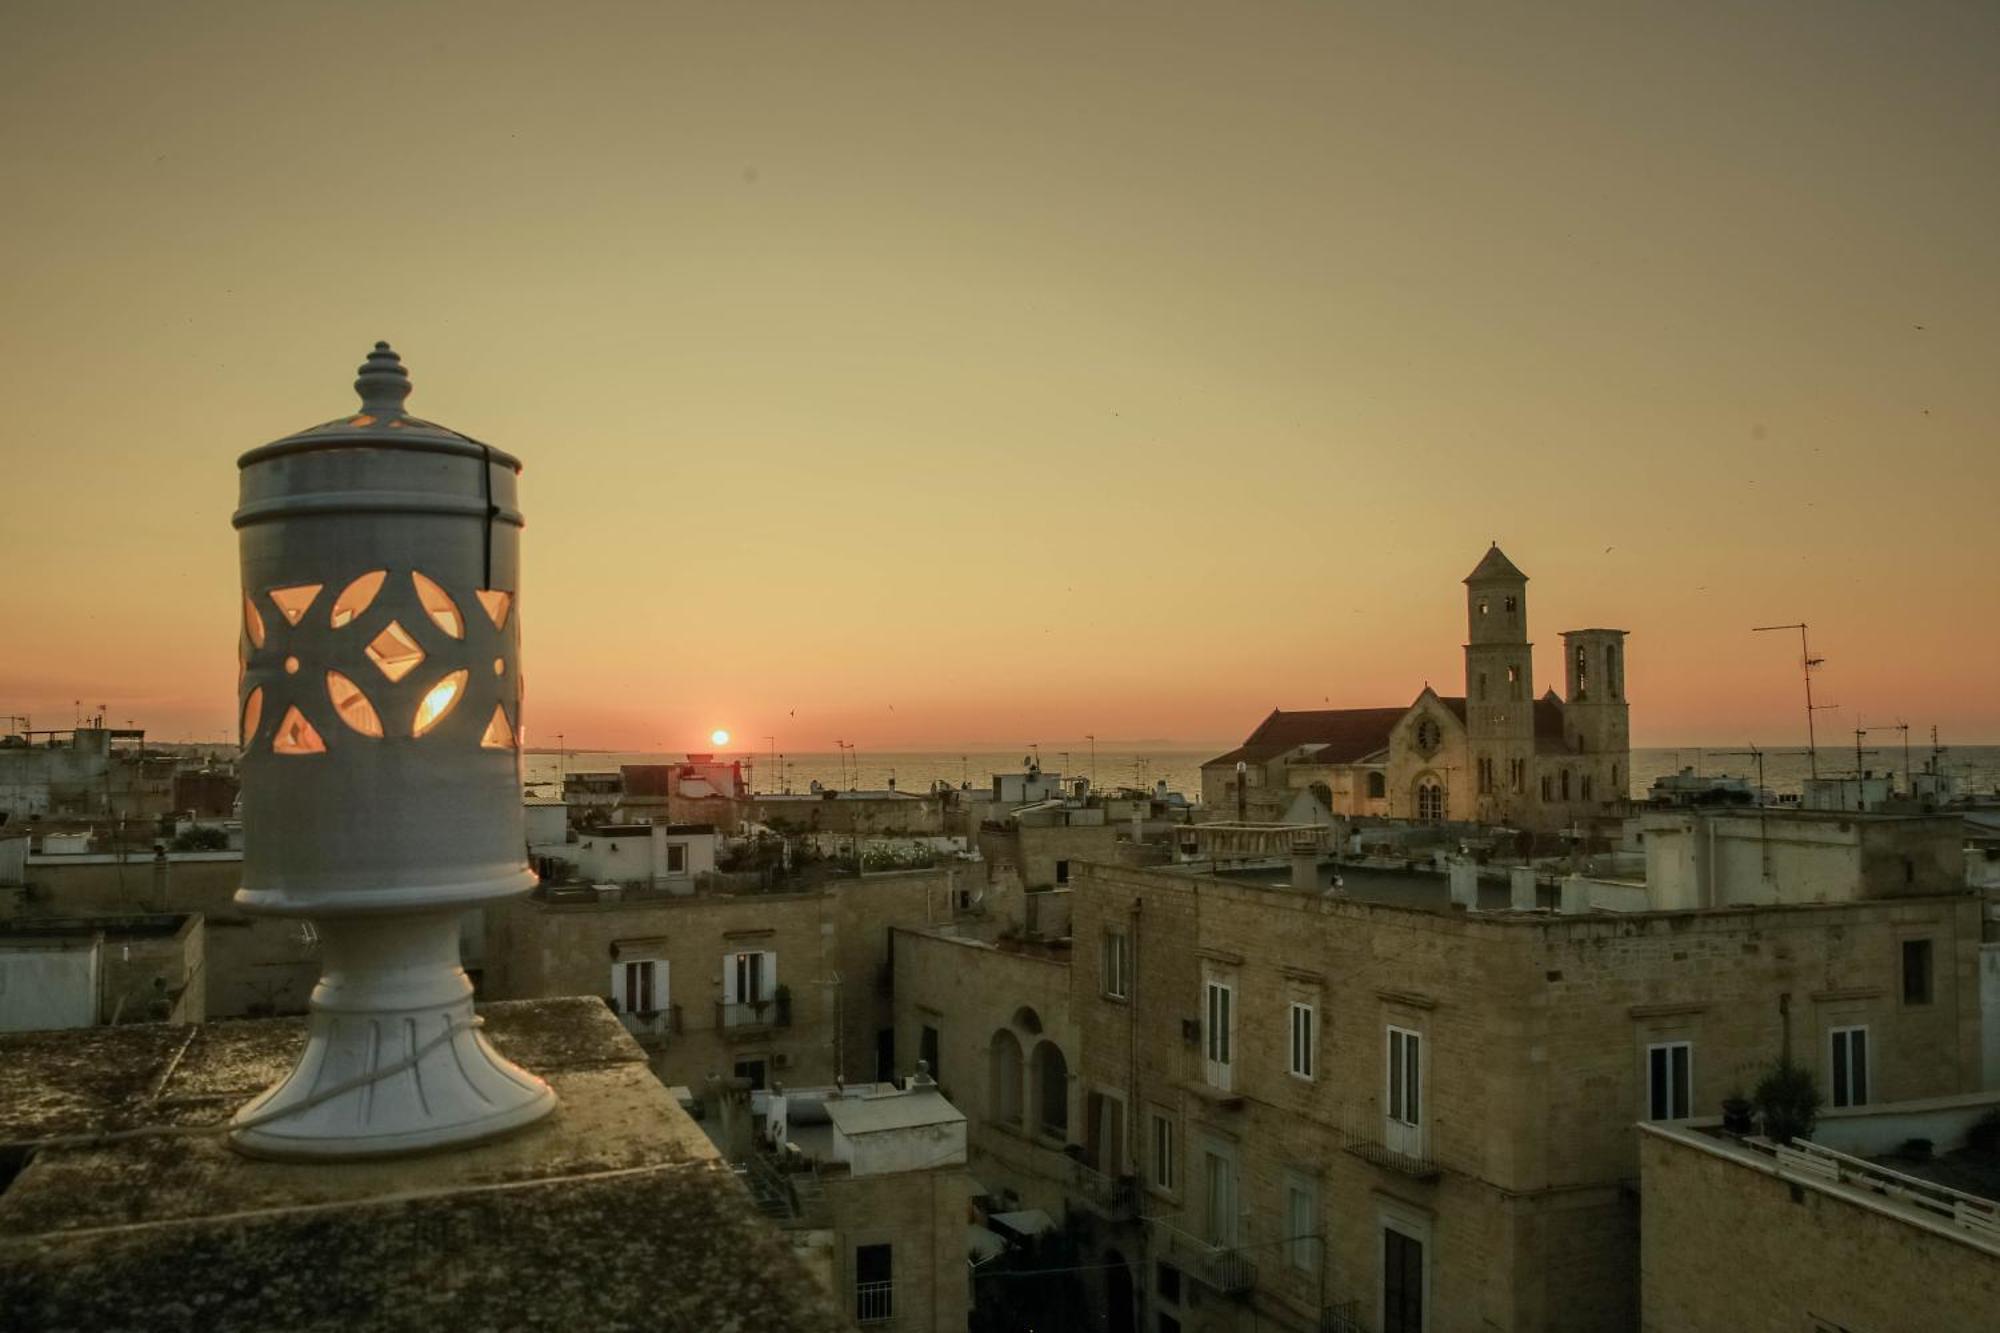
(1464, 875)
(381, 772)
(1305, 862)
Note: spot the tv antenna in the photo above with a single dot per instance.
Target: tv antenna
(1807, 664)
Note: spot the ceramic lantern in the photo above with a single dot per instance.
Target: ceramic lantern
(381, 725)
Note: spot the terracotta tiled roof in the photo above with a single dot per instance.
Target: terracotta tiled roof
(1348, 734)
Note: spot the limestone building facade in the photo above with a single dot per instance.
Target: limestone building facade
(1498, 754)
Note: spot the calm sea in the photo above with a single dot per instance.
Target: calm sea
(1976, 766)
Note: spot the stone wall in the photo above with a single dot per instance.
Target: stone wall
(921, 1215)
(1728, 1244)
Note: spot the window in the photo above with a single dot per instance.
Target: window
(1669, 1080)
(1104, 1133)
(1167, 1282)
(1512, 604)
(1378, 786)
(1402, 1282)
(1052, 1090)
(1513, 682)
(1218, 1033)
(1003, 1080)
(1116, 980)
(927, 1050)
(1586, 786)
(1582, 673)
(1303, 1036)
(1849, 1066)
(1301, 1222)
(1405, 1076)
(1565, 784)
(1517, 774)
(1482, 606)
(749, 984)
(640, 985)
(752, 1070)
(1548, 787)
(874, 1284)
(1916, 971)
(1222, 1206)
(1430, 802)
(1163, 1164)
(1062, 873)
(1482, 687)
(1614, 677)
(1485, 775)
(677, 858)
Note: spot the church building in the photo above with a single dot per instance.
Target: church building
(1496, 755)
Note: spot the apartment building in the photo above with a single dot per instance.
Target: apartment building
(1367, 1107)
(769, 987)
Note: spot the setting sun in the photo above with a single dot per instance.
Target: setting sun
(718, 737)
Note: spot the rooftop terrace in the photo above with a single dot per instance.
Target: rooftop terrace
(121, 1206)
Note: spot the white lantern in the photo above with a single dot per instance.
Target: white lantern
(381, 728)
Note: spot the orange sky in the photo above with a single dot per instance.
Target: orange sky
(1021, 371)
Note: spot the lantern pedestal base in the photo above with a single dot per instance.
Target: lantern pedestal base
(394, 1060)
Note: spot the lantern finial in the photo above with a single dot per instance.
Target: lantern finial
(383, 383)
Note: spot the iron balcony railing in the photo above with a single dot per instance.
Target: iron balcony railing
(755, 1015)
(1222, 1268)
(1114, 1196)
(874, 1302)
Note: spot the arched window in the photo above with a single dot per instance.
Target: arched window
(1003, 1078)
(1430, 802)
(1323, 794)
(1565, 784)
(1378, 786)
(1051, 1090)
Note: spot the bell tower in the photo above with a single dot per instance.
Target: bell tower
(1596, 717)
(1499, 688)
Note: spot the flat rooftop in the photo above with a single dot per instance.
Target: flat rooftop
(1423, 890)
(614, 1212)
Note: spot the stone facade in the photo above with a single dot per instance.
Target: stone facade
(1530, 1037)
(820, 1010)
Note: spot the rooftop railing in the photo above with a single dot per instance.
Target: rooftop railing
(1975, 1214)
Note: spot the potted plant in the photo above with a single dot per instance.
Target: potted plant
(1788, 1102)
(1737, 1112)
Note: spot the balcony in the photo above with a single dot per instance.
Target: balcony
(651, 1026)
(753, 1018)
(874, 1302)
(1221, 1268)
(1112, 1197)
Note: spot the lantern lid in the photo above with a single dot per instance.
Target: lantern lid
(383, 385)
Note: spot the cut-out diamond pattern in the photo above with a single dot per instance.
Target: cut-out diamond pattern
(499, 736)
(296, 735)
(253, 712)
(352, 705)
(292, 603)
(438, 606)
(253, 624)
(497, 605)
(440, 700)
(394, 652)
(357, 596)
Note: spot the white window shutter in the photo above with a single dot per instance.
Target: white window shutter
(618, 986)
(662, 997)
(770, 973)
(729, 978)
